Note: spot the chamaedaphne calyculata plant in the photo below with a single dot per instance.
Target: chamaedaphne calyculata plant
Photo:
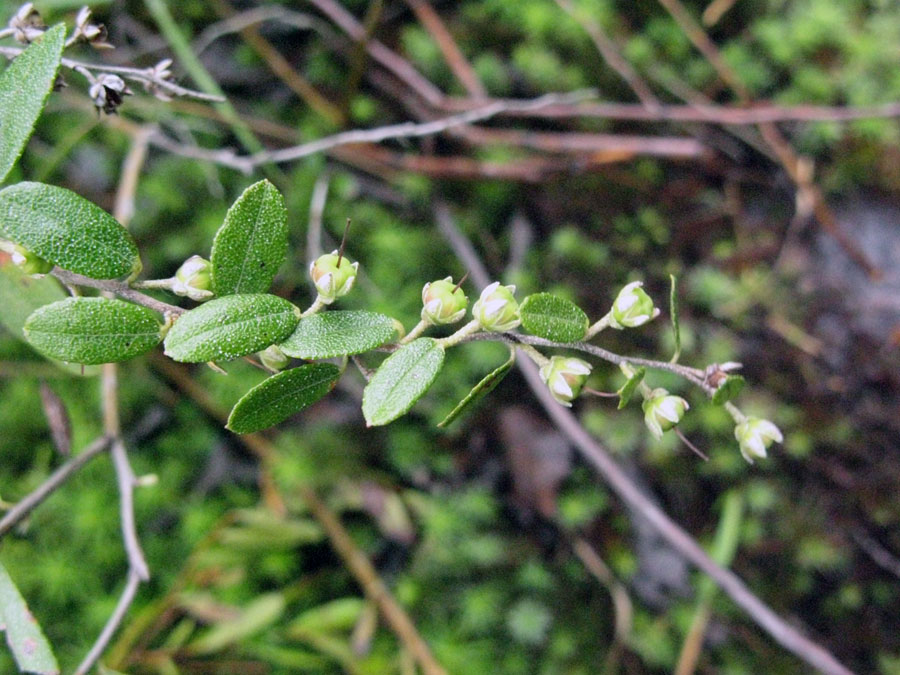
(91, 307)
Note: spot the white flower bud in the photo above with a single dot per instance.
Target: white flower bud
(496, 309)
(565, 376)
(662, 411)
(754, 435)
(332, 280)
(443, 302)
(632, 307)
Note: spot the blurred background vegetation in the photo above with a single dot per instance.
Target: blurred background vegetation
(477, 530)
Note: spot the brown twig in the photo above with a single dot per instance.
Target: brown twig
(453, 55)
(779, 629)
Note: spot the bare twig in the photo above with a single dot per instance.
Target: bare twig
(112, 624)
(400, 67)
(694, 112)
(611, 55)
(316, 213)
(282, 68)
(119, 288)
(255, 16)
(453, 55)
(27, 504)
(148, 77)
(783, 632)
(126, 481)
(878, 553)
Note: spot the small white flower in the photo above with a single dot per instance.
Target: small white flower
(632, 307)
(496, 308)
(565, 377)
(332, 280)
(662, 411)
(755, 435)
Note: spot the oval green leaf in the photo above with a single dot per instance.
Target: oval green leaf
(23, 634)
(628, 389)
(252, 242)
(553, 318)
(329, 334)
(401, 381)
(24, 88)
(231, 327)
(274, 400)
(480, 390)
(92, 330)
(67, 230)
(728, 390)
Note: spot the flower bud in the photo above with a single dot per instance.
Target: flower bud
(27, 261)
(192, 279)
(632, 308)
(331, 279)
(496, 309)
(755, 435)
(443, 302)
(27, 25)
(565, 376)
(662, 411)
(273, 358)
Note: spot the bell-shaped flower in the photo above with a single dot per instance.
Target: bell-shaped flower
(662, 411)
(192, 279)
(565, 376)
(754, 435)
(496, 309)
(632, 307)
(443, 302)
(333, 276)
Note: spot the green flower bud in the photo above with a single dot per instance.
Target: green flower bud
(755, 435)
(662, 411)
(632, 308)
(273, 358)
(443, 302)
(192, 279)
(332, 280)
(27, 261)
(565, 376)
(496, 309)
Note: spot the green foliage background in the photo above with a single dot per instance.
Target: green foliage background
(490, 580)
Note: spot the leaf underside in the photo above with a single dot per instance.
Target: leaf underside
(67, 230)
(274, 400)
(24, 88)
(26, 640)
(230, 327)
(401, 380)
(480, 390)
(92, 330)
(338, 333)
(251, 244)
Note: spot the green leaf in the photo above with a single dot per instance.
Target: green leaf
(401, 380)
(67, 230)
(261, 613)
(331, 617)
(252, 242)
(23, 634)
(728, 390)
(24, 88)
(274, 400)
(92, 330)
(338, 333)
(673, 314)
(231, 327)
(628, 389)
(553, 318)
(480, 390)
